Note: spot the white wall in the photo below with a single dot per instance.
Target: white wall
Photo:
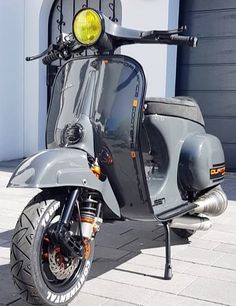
(35, 97)
(11, 78)
(23, 102)
(173, 20)
(153, 15)
(24, 30)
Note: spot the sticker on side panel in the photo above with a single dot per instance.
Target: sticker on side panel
(217, 172)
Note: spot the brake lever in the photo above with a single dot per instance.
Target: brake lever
(45, 52)
(155, 34)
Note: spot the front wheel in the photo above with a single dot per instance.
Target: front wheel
(40, 270)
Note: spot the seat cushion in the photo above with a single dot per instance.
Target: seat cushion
(181, 107)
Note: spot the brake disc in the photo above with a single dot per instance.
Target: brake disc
(62, 267)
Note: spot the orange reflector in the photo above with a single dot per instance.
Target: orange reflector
(96, 170)
(135, 103)
(133, 154)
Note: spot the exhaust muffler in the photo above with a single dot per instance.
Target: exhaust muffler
(212, 203)
(194, 223)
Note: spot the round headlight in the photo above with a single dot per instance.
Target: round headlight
(87, 26)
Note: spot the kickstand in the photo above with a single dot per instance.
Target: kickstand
(168, 268)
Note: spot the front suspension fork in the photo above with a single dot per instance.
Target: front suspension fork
(61, 234)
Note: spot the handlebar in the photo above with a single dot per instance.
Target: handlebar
(169, 38)
(48, 59)
(66, 45)
(184, 40)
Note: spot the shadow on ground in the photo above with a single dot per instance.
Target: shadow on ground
(116, 243)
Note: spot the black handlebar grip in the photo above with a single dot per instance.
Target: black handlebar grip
(184, 40)
(47, 60)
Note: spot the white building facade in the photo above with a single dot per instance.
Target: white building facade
(23, 92)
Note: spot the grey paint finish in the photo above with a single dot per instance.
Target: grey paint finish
(208, 73)
(59, 168)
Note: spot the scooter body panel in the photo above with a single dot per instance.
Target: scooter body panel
(64, 167)
(181, 152)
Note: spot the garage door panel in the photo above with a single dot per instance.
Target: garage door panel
(201, 5)
(212, 23)
(230, 156)
(208, 73)
(211, 51)
(222, 128)
(215, 103)
(207, 77)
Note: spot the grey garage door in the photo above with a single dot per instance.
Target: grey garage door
(208, 72)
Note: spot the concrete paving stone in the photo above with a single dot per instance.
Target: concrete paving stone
(155, 262)
(4, 261)
(220, 236)
(115, 241)
(118, 291)
(226, 248)
(3, 241)
(227, 227)
(215, 291)
(4, 252)
(228, 261)
(6, 234)
(118, 303)
(166, 299)
(175, 249)
(204, 244)
(178, 283)
(9, 222)
(85, 299)
(109, 253)
(211, 272)
(8, 292)
(141, 245)
(197, 255)
(18, 302)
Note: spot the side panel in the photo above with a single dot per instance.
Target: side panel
(60, 168)
(202, 163)
(166, 137)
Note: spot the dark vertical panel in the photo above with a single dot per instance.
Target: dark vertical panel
(208, 73)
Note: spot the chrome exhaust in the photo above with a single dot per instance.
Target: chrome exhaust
(194, 223)
(212, 203)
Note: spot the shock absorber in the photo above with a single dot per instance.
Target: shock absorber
(89, 214)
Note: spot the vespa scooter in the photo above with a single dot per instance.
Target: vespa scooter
(110, 150)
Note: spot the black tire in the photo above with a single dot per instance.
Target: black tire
(183, 233)
(31, 270)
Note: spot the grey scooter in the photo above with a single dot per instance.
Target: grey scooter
(111, 151)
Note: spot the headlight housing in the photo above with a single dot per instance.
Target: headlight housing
(87, 26)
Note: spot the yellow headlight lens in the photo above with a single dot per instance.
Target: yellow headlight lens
(87, 26)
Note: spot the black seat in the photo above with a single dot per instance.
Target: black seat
(182, 107)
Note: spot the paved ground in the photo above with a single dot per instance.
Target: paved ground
(129, 259)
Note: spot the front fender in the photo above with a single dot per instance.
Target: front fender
(59, 168)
